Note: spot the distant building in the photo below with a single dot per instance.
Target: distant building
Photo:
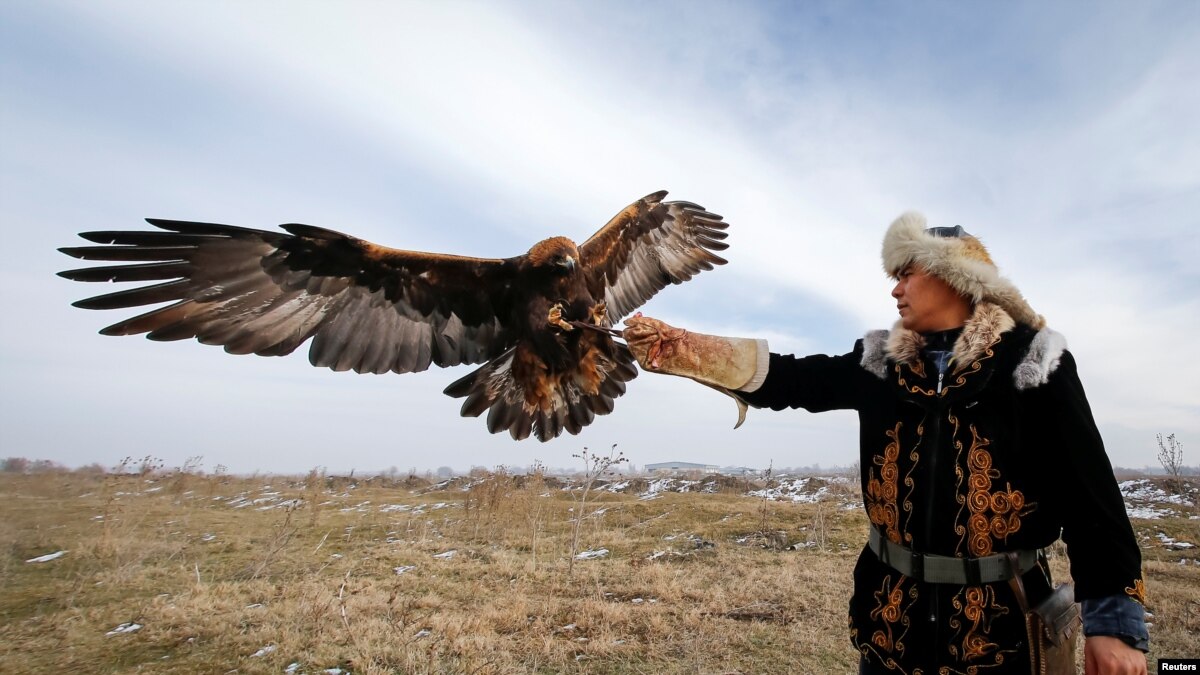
(670, 467)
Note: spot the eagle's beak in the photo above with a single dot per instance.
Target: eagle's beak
(568, 262)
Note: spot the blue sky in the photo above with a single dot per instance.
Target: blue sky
(1063, 134)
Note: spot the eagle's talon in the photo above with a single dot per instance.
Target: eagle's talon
(599, 313)
(554, 318)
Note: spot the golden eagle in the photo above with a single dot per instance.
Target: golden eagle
(374, 309)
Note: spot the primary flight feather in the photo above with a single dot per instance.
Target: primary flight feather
(370, 308)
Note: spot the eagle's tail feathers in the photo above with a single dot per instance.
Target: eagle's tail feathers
(568, 404)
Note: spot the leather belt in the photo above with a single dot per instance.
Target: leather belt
(942, 569)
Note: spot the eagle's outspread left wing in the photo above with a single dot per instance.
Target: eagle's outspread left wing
(647, 246)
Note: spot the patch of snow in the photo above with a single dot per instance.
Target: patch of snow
(125, 628)
(1172, 543)
(795, 490)
(424, 632)
(292, 667)
(447, 555)
(1145, 500)
(657, 487)
(404, 568)
(286, 504)
(47, 558)
(264, 651)
(592, 555)
(208, 536)
(1145, 512)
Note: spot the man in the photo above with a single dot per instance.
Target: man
(976, 441)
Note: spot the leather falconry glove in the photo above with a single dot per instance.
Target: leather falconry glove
(723, 363)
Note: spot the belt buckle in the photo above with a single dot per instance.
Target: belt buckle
(973, 574)
(917, 561)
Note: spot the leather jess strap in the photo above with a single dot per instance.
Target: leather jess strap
(942, 569)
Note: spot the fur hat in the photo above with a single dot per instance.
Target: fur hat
(957, 258)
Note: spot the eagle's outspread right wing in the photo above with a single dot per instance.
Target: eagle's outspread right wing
(366, 307)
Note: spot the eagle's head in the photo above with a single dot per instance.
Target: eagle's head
(558, 253)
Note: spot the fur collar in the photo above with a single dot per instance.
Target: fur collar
(981, 331)
(985, 327)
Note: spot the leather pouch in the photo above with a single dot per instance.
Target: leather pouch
(1052, 626)
(1053, 629)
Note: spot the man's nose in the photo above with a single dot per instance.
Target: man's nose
(898, 290)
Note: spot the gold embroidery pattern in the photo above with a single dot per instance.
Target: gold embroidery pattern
(865, 648)
(993, 515)
(889, 608)
(914, 457)
(1137, 591)
(882, 491)
(976, 608)
(959, 529)
(960, 376)
(918, 368)
(912, 389)
(961, 372)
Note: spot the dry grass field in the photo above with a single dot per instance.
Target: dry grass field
(185, 573)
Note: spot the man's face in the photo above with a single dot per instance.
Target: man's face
(926, 303)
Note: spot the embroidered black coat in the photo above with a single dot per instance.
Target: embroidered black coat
(1002, 454)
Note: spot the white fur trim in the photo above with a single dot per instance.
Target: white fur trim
(874, 358)
(1041, 360)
